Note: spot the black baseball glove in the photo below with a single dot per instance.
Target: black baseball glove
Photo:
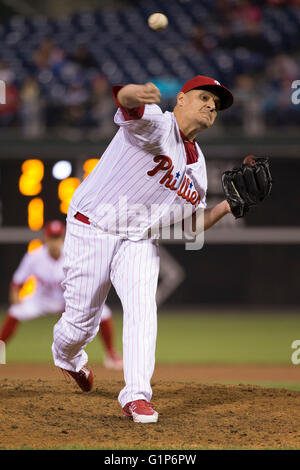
(248, 185)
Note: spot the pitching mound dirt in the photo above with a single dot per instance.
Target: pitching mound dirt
(51, 413)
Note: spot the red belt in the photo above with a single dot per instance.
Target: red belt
(82, 218)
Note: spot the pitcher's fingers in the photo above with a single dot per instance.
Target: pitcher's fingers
(151, 88)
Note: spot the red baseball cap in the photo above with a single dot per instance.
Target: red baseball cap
(54, 228)
(210, 84)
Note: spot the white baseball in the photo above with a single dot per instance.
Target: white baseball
(157, 21)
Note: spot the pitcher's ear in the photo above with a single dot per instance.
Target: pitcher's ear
(180, 98)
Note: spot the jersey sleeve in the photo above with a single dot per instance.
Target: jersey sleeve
(24, 270)
(145, 126)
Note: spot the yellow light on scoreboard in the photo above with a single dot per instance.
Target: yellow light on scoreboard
(34, 245)
(66, 189)
(28, 186)
(89, 165)
(28, 287)
(36, 214)
(32, 175)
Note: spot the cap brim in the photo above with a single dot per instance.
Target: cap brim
(226, 97)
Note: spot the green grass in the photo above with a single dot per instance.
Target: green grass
(205, 338)
(288, 385)
(227, 338)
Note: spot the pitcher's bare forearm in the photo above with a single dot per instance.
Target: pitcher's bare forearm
(133, 96)
(214, 214)
(204, 219)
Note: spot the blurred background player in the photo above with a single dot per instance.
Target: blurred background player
(46, 265)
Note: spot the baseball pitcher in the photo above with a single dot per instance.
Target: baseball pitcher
(152, 164)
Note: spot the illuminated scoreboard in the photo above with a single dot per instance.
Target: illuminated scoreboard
(35, 190)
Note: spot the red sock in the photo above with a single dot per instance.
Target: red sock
(8, 328)
(106, 333)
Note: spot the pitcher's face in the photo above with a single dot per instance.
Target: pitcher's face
(200, 107)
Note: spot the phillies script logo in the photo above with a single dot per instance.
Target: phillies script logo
(170, 181)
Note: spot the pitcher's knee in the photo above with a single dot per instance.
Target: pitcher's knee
(70, 337)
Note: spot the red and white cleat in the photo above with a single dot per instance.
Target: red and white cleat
(84, 378)
(113, 361)
(141, 411)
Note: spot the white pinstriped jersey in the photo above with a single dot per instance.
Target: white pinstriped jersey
(141, 175)
(48, 272)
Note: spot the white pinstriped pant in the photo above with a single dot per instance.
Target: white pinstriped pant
(92, 261)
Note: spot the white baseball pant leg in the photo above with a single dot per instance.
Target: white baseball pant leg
(87, 258)
(134, 274)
